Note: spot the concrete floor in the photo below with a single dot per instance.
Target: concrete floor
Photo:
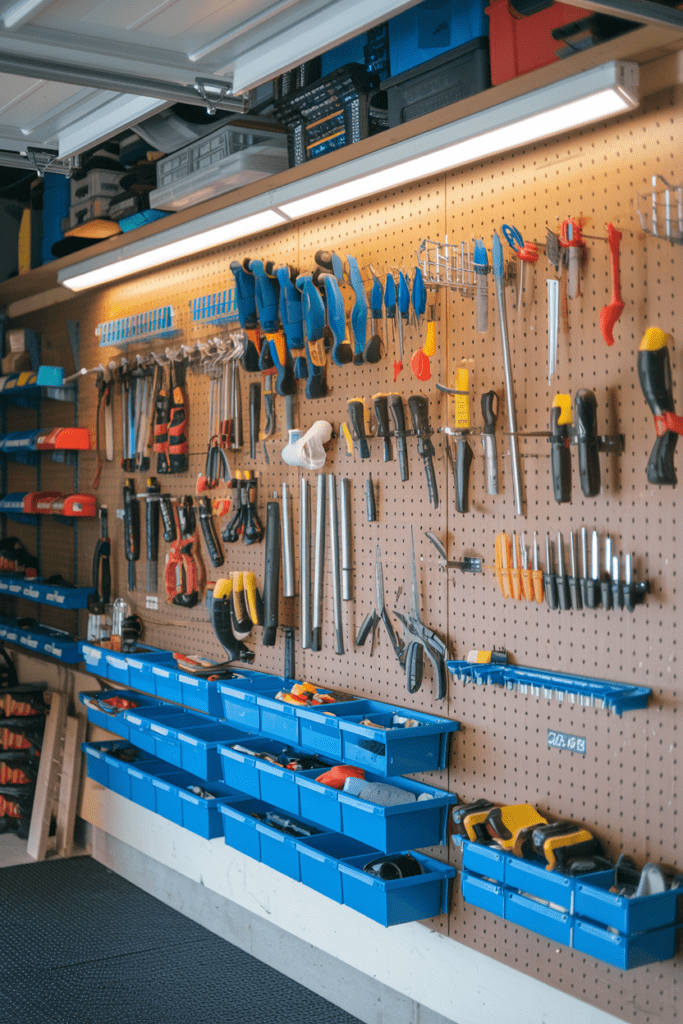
(13, 851)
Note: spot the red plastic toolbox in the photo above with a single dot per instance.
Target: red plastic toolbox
(519, 45)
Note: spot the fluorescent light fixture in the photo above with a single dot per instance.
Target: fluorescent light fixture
(77, 278)
(594, 95)
(549, 112)
(22, 12)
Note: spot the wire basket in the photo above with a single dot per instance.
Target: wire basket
(660, 212)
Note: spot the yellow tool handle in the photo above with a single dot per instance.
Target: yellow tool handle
(429, 347)
(537, 578)
(238, 596)
(527, 585)
(222, 589)
(251, 593)
(503, 561)
(516, 575)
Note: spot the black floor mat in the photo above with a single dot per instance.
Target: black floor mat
(82, 945)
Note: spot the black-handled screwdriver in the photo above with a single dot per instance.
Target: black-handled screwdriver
(489, 411)
(381, 404)
(356, 409)
(395, 403)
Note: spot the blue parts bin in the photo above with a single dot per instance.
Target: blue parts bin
(41, 639)
(582, 690)
(45, 593)
(577, 912)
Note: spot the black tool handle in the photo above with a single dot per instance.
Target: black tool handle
(419, 414)
(629, 597)
(168, 520)
(381, 405)
(654, 374)
(131, 521)
(366, 628)
(585, 407)
(463, 461)
(618, 597)
(414, 666)
(395, 403)
(575, 592)
(550, 587)
(290, 665)
(489, 411)
(356, 410)
(606, 593)
(152, 520)
(370, 503)
(209, 531)
(563, 593)
(560, 459)
(592, 599)
(254, 416)
(271, 586)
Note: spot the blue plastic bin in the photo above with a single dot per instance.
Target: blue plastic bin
(319, 859)
(140, 665)
(399, 901)
(279, 850)
(397, 751)
(239, 827)
(199, 748)
(625, 951)
(554, 924)
(168, 802)
(114, 720)
(488, 861)
(93, 657)
(481, 892)
(533, 879)
(202, 815)
(278, 720)
(626, 914)
(320, 731)
(166, 682)
(239, 701)
(97, 767)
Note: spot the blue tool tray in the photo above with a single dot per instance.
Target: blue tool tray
(624, 932)
(617, 697)
(332, 864)
(334, 730)
(132, 668)
(45, 593)
(112, 719)
(171, 683)
(161, 788)
(41, 639)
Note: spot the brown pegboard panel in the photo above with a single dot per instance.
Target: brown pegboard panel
(626, 787)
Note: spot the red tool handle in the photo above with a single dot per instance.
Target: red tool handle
(614, 237)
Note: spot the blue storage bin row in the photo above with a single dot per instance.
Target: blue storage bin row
(626, 932)
(116, 665)
(183, 738)
(43, 639)
(334, 730)
(45, 593)
(332, 864)
(416, 823)
(160, 787)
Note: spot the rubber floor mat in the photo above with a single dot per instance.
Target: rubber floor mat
(84, 946)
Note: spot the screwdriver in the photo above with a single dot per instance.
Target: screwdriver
(395, 403)
(356, 409)
(527, 584)
(373, 349)
(574, 585)
(584, 567)
(617, 594)
(629, 590)
(585, 406)
(516, 570)
(563, 598)
(549, 578)
(593, 585)
(390, 307)
(381, 404)
(536, 574)
(606, 582)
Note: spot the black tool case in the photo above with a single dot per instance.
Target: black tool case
(445, 79)
(331, 113)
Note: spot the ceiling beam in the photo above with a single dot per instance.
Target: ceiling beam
(19, 13)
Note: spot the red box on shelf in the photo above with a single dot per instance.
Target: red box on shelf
(520, 45)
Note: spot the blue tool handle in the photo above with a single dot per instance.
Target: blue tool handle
(403, 297)
(313, 307)
(291, 313)
(337, 267)
(497, 257)
(245, 286)
(390, 297)
(376, 298)
(359, 313)
(336, 315)
(266, 296)
(419, 296)
(513, 237)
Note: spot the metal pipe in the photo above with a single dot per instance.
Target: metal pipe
(113, 81)
(498, 268)
(287, 546)
(336, 574)
(317, 632)
(346, 542)
(305, 563)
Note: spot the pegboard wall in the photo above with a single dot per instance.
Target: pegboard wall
(626, 787)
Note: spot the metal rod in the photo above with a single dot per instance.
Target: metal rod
(319, 559)
(305, 563)
(336, 575)
(287, 546)
(346, 542)
(498, 269)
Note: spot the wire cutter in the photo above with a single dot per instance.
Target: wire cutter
(418, 641)
(371, 621)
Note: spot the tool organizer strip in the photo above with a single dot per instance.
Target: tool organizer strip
(625, 785)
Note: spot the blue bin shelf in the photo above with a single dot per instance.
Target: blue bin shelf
(131, 668)
(334, 730)
(45, 593)
(588, 692)
(161, 788)
(577, 912)
(41, 640)
(28, 389)
(418, 823)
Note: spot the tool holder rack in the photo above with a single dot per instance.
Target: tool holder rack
(590, 693)
(219, 308)
(662, 208)
(147, 326)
